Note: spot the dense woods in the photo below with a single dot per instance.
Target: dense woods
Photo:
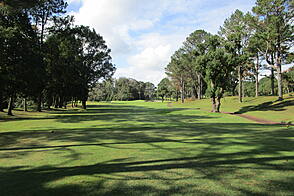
(46, 60)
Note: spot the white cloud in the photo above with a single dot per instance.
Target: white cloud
(113, 19)
(149, 64)
(145, 33)
(73, 1)
(155, 51)
(151, 57)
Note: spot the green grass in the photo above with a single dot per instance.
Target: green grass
(143, 148)
(264, 107)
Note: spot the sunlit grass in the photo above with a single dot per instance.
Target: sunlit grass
(264, 107)
(144, 148)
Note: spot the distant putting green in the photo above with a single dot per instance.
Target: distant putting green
(143, 148)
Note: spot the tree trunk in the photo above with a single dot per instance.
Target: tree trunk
(1, 107)
(279, 67)
(182, 94)
(162, 99)
(194, 92)
(56, 102)
(49, 102)
(25, 105)
(240, 84)
(243, 91)
(280, 82)
(233, 90)
(64, 104)
(218, 104)
(256, 77)
(199, 87)
(272, 81)
(256, 86)
(60, 102)
(182, 90)
(84, 106)
(177, 95)
(10, 105)
(213, 104)
(1, 104)
(39, 103)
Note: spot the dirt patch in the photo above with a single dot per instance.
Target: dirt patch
(259, 120)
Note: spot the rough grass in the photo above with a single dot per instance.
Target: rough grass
(143, 148)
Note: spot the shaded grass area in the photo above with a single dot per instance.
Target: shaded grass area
(139, 148)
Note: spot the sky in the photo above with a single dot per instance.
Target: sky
(143, 34)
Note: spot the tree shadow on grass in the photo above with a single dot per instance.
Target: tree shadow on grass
(129, 116)
(209, 162)
(115, 113)
(178, 132)
(196, 156)
(33, 181)
(267, 106)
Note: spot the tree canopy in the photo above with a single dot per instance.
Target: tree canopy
(246, 43)
(46, 58)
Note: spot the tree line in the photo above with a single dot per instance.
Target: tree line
(123, 89)
(213, 65)
(168, 90)
(46, 60)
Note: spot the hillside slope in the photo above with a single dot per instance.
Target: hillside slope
(264, 107)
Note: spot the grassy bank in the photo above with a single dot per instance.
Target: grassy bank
(266, 107)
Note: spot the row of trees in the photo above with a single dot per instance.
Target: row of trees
(215, 64)
(123, 89)
(45, 58)
(167, 90)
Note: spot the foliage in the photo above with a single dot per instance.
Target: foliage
(122, 89)
(236, 32)
(45, 58)
(218, 64)
(289, 80)
(18, 55)
(276, 21)
(164, 88)
(247, 40)
(265, 86)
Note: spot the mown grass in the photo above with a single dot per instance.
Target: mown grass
(264, 107)
(143, 148)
